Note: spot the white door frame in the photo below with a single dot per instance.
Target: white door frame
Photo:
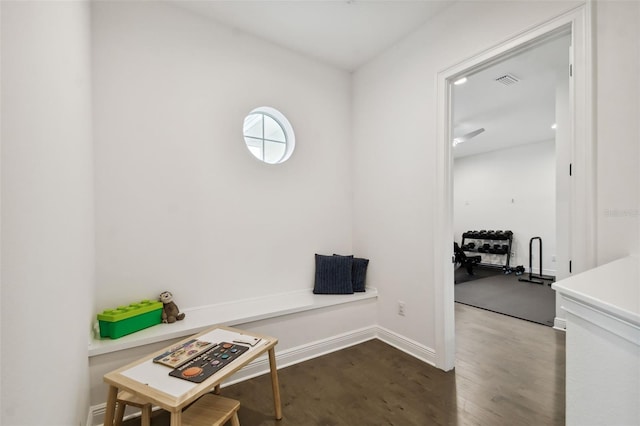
(582, 204)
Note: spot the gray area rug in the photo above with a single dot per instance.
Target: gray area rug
(506, 295)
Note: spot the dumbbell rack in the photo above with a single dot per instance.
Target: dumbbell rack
(489, 242)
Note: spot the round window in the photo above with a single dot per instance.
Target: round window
(268, 135)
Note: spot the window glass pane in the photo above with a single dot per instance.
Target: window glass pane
(255, 146)
(273, 130)
(253, 141)
(273, 151)
(256, 151)
(253, 125)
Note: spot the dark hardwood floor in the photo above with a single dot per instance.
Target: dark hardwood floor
(508, 372)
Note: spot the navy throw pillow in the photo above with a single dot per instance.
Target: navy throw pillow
(358, 273)
(333, 275)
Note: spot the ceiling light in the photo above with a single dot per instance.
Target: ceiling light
(460, 81)
(553, 126)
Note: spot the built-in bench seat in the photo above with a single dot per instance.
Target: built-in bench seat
(230, 314)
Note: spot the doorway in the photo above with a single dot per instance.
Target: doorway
(506, 158)
(580, 198)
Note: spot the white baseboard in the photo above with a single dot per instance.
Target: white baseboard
(96, 414)
(302, 353)
(407, 345)
(560, 324)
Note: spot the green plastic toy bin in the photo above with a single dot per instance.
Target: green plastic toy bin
(115, 323)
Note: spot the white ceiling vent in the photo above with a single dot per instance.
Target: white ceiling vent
(507, 79)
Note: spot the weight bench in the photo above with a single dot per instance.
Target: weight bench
(462, 259)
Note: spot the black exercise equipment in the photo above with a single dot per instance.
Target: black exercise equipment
(518, 270)
(494, 242)
(536, 279)
(484, 249)
(461, 258)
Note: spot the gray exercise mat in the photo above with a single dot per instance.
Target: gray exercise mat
(479, 272)
(506, 295)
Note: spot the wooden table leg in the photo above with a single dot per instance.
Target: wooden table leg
(176, 418)
(146, 415)
(275, 384)
(216, 389)
(111, 405)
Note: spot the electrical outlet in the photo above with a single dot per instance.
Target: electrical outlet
(401, 308)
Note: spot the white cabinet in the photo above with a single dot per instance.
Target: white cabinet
(603, 344)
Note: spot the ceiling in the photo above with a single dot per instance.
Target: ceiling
(342, 33)
(349, 33)
(512, 114)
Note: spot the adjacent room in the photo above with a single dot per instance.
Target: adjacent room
(209, 158)
(505, 128)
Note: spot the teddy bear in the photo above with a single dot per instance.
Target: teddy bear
(170, 311)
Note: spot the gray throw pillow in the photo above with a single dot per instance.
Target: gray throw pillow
(358, 273)
(333, 275)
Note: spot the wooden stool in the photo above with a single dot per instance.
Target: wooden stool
(211, 410)
(124, 399)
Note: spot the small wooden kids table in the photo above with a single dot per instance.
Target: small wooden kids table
(151, 382)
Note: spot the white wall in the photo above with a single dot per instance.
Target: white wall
(394, 151)
(394, 158)
(47, 212)
(618, 63)
(511, 189)
(181, 203)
